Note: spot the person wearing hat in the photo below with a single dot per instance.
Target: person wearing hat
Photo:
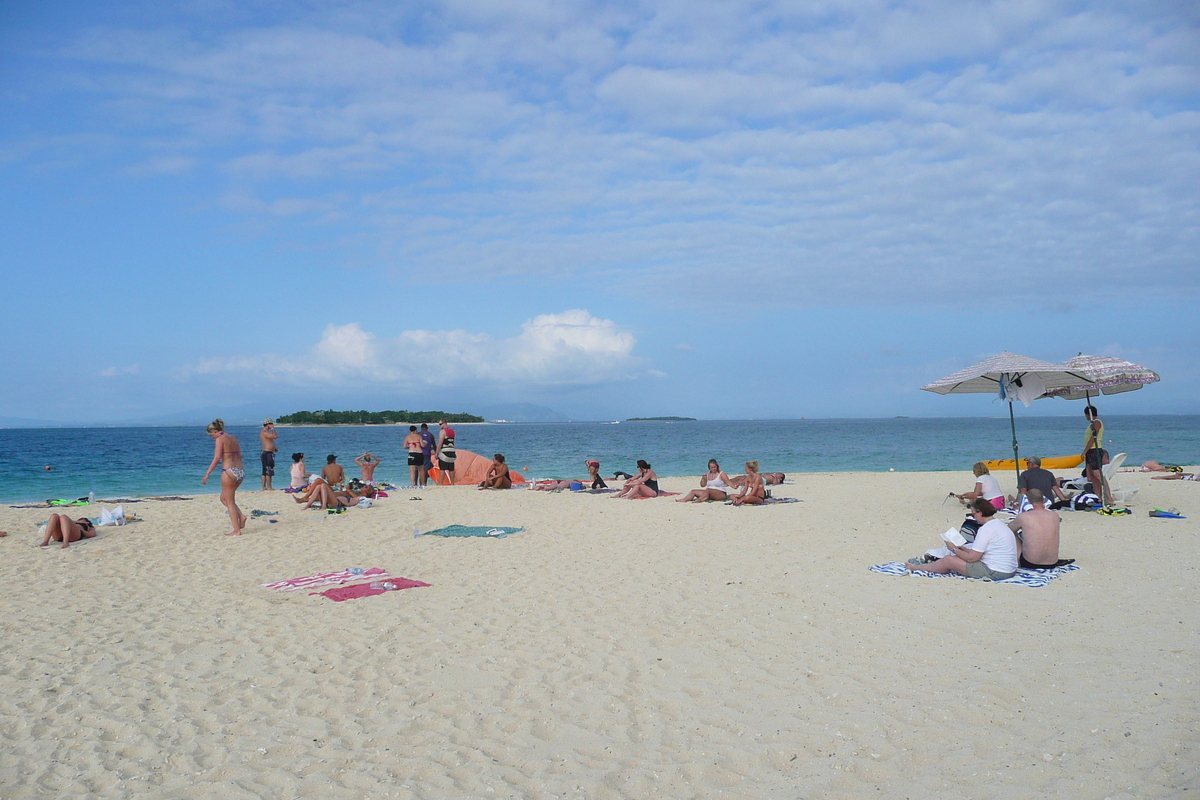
(268, 436)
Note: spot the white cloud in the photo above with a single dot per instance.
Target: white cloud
(115, 372)
(873, 151)
(552, 351)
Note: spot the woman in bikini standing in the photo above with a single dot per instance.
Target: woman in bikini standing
(228, 454)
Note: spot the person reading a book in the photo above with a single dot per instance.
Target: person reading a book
(992, 556)
(1037, 533)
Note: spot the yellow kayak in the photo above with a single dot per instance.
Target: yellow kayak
(1062, 462)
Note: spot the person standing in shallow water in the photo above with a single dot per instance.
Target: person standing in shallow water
(228, 454)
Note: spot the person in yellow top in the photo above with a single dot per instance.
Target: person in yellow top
(1093, 454)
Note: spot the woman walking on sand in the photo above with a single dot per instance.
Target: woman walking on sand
(228, 454)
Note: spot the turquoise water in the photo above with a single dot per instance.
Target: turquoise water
(149, 461)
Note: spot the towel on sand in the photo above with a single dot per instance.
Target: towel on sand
(325, 579)
(1024, 577)
(473, 530)
(340, 593)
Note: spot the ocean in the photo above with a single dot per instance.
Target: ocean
(131, 462)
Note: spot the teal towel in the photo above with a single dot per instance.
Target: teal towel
(473, 530)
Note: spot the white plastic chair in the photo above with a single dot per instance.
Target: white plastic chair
(1109, 471)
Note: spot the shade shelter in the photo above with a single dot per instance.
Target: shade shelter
(1108, 375)
(1012, 377)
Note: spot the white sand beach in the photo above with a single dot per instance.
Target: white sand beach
(614, 649)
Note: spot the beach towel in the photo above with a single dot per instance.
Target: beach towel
(326, 579)
(260, 513)
(1024, 577)
(660, 494)
(472, 530)
(341, 593)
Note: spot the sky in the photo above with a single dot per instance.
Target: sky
(724, 210)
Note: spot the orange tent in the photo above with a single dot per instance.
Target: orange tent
(470, 469)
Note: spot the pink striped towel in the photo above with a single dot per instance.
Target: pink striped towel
(340, 593)
(324, 579)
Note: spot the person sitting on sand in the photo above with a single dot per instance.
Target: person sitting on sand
(714, 485)
(367, 462)
(768, 478)
(62, 528)
(228, 453)
(1037, 533)
(497, 474)
(754, 492)
(644, 484)
(1034, 477)
(992, 556)
(986, 487)
(332, 472)
(299, 473)
(593, 468)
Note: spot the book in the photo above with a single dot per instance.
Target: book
(954, 537)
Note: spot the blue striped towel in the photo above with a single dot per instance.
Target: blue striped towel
(1024, 577)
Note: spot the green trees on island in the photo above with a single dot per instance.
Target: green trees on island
(332, 417)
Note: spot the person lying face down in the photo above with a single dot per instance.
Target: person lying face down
(992, 556)
(61, 528)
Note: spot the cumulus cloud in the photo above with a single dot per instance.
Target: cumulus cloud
(874, 151)
(573, 348)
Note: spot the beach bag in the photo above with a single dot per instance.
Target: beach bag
(968, 530)
(365, 503)
(114, 517)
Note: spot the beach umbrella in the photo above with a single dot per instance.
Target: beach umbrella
(1108, 375)
(1012, 377)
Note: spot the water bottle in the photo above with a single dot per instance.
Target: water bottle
(387, 586)
(355, 570)
(91, 497)
(416, 533)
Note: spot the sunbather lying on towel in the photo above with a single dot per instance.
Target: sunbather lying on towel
(62, 528)
(1177, 476)
(343, 499)
(1154, 466)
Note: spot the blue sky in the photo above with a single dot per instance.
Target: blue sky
(715, 209)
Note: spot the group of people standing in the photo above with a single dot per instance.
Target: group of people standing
(422, 447)
(227, 454)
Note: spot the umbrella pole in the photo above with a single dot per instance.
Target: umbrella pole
(1012, 424)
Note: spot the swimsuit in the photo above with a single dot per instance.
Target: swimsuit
(717, 484)
(237, 473)
(416, 459)
(268, 463)
(652, 484)
(447, 455)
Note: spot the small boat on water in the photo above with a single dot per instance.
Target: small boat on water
(1061, 462)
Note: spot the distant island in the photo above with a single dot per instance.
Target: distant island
(661, 419)
(332, 417)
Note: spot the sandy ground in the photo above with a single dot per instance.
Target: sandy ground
(614, 649)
